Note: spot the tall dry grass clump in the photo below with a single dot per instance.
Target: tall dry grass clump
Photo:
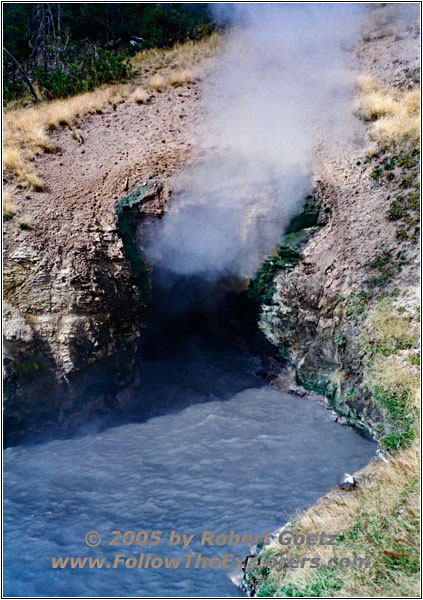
(157, 83)
(394, 118)
(140, 96)
(175, 78)
(180, 77)
(9, 206)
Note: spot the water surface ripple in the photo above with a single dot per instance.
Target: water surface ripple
(211, 447)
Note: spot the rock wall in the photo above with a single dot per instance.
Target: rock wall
(316, 299)
(73, 324)
(314, 305)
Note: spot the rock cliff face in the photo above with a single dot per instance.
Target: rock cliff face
(72, 328)
(317, 298)
(75, 289)
(320, 301)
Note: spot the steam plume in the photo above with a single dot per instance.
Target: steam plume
(281, 80)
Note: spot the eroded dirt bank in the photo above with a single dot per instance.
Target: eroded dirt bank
(73, 312)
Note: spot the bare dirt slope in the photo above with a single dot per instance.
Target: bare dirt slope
(85, 180)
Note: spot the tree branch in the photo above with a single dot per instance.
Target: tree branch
(25, 76)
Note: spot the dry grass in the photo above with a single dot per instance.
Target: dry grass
(26, 222)
(180, 77)
(179, 56)
(178, 65)
(394, 118)
(175, 78)
(140, 96)
(390, 331)
(12, 159)
(34, 181)
(26, 130)
(18, 162)
(373, 102)
(391, 374)
(379, 520)
(9, 206)
(157, 83)
(397, 378)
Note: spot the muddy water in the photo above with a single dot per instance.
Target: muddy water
(208, 446)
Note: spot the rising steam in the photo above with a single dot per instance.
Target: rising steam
(280, 85)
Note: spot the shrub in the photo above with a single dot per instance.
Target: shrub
(87, 69)
(396, 210)
(357, 303)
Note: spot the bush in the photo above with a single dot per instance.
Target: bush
(87, 69)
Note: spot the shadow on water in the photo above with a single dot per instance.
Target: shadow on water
(185, 358)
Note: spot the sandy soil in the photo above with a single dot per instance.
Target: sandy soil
(85, 179)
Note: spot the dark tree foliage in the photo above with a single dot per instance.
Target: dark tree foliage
(72, 47)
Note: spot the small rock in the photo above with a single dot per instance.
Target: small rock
(346, 481)
(298, 391)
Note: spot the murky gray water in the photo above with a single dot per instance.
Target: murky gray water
(213, 448)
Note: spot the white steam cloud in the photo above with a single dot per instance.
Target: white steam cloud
(280, 83)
